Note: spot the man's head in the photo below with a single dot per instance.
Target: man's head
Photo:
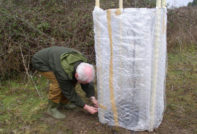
(85, 73)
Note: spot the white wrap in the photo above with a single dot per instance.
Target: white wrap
(130, 47)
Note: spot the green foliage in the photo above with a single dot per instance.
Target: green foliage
(44, 26)
(20, 105)
(194, 3)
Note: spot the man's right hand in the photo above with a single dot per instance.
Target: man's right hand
(90, 109)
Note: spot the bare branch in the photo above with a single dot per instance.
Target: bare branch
(27, 72)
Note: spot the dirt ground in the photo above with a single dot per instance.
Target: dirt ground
(79, 122)
(14, 120)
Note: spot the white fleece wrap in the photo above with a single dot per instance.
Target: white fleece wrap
(130, 46)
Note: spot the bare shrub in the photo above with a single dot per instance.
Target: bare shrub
(182, 27)
(27, 26)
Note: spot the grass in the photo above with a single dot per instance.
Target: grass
(20, 104)
(182, 88)
(22, 110)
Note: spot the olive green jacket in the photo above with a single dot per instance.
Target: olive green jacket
(63, 62)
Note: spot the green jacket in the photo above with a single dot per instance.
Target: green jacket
(63, 62)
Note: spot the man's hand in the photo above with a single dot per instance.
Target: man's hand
(94, 101)
(90, 109)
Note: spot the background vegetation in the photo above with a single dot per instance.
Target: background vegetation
(194, 3)
(27, 26)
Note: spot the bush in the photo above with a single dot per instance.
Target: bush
(194, 3)
(27, 26)
(182, 28)
(33, 25)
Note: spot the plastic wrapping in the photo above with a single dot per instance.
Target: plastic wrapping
(130, 47)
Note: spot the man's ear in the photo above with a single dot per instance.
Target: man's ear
(76, 75)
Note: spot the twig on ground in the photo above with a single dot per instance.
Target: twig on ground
(27, 72)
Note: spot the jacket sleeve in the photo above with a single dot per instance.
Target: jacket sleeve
(68, 90)
(88, 89)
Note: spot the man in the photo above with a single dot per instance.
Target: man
(64, 67)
